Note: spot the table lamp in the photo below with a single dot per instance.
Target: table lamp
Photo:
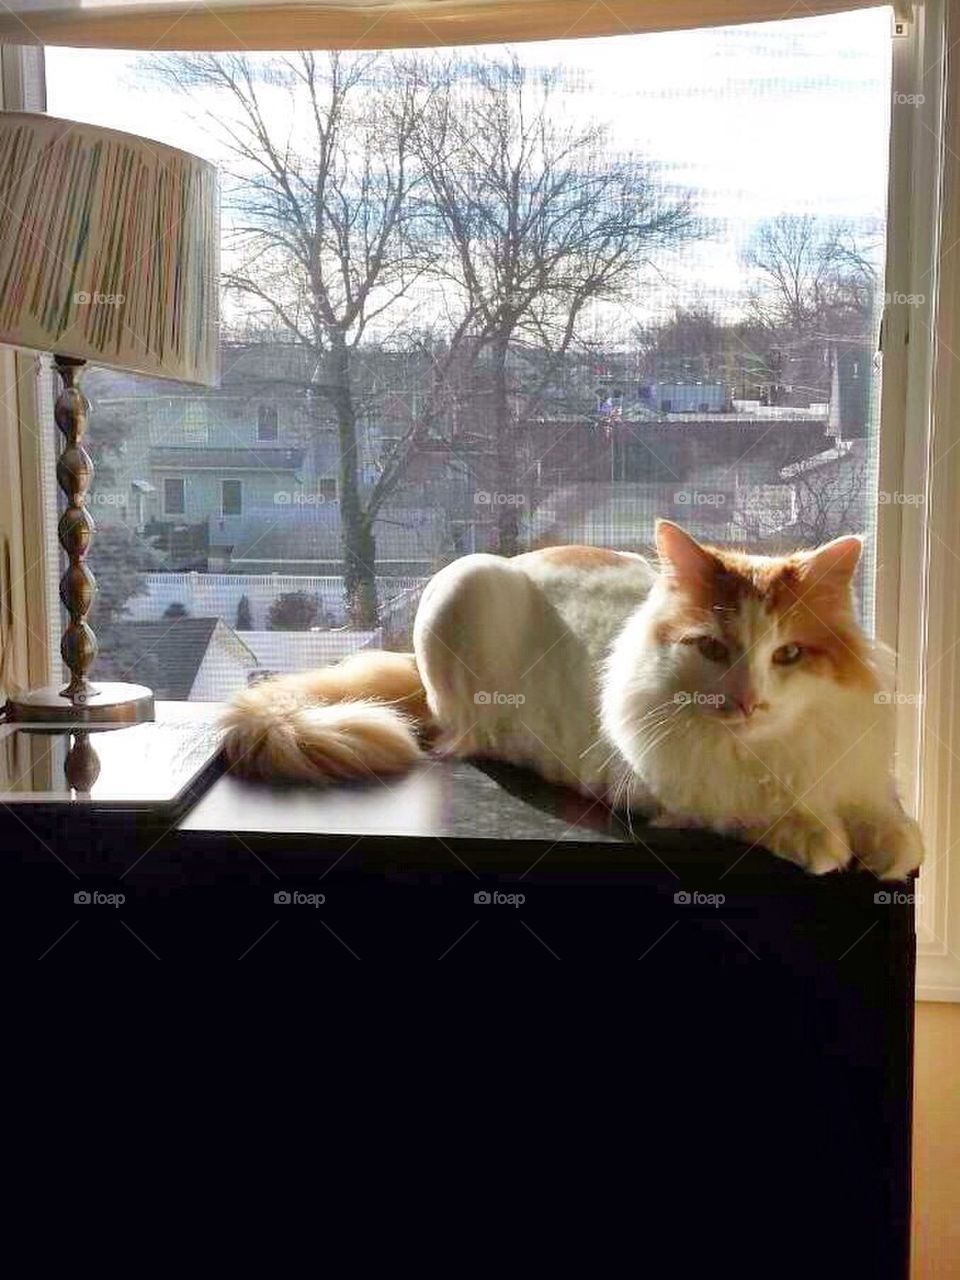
(109, 247)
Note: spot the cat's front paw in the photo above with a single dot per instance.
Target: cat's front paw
(816, 846)
(888, 844)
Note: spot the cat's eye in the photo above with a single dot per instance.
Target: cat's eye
(787, 654)
(712, 649)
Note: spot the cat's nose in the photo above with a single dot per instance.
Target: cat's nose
(746, 703)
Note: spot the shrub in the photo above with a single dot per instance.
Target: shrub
(293, 611)
(244, 614)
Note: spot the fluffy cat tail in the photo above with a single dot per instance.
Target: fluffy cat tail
(358, 719)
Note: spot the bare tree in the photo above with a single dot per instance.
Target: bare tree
(322, 240)
(812, 273)
(831, 500)
(540, 221)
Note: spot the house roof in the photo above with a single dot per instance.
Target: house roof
(260, 458)
(305, 534)
(282, 651)
(178, 645)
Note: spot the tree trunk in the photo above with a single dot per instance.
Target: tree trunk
(356, 535)
(505, 499)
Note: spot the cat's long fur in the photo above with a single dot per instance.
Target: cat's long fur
(677, 693)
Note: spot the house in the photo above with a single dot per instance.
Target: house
(279, 652)
(204, 660)
(200, 659)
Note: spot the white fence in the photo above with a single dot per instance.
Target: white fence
(217, 595)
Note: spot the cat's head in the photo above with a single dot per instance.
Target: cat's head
(754, 641)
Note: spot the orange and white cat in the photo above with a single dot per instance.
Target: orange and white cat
(725, 690)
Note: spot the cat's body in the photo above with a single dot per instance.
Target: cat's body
(512, 652)
(676, 693)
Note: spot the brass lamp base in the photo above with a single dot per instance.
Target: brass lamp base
(105, 704)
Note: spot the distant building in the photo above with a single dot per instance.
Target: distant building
(686, 397)
(204, 660)
(197, 658)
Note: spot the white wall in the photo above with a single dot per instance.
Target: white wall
(216, 595)
(223, 670)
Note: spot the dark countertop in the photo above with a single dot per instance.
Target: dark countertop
(445, 818)
(478, 816)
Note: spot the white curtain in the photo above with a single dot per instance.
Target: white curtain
(366, 24)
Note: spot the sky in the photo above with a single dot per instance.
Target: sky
(781, 117)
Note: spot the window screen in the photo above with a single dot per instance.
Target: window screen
(498, 299)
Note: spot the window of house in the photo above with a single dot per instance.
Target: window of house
(231, 497)
(697, 277)
(174, 496)
(268, 428)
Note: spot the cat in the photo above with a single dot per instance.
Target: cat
(729, 691)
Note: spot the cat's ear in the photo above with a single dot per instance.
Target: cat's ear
(682, 555)
(834, 563)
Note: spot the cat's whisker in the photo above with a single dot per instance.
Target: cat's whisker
(662, 706)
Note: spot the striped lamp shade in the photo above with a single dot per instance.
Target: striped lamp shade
(109, 248)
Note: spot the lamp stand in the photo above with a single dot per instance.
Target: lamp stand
(79, 702)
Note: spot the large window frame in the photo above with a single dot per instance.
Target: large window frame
(917, 551)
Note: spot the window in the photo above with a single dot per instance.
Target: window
(778, 135)
(268, 429)
(174, 496)
(231, 497)
(683, 375)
